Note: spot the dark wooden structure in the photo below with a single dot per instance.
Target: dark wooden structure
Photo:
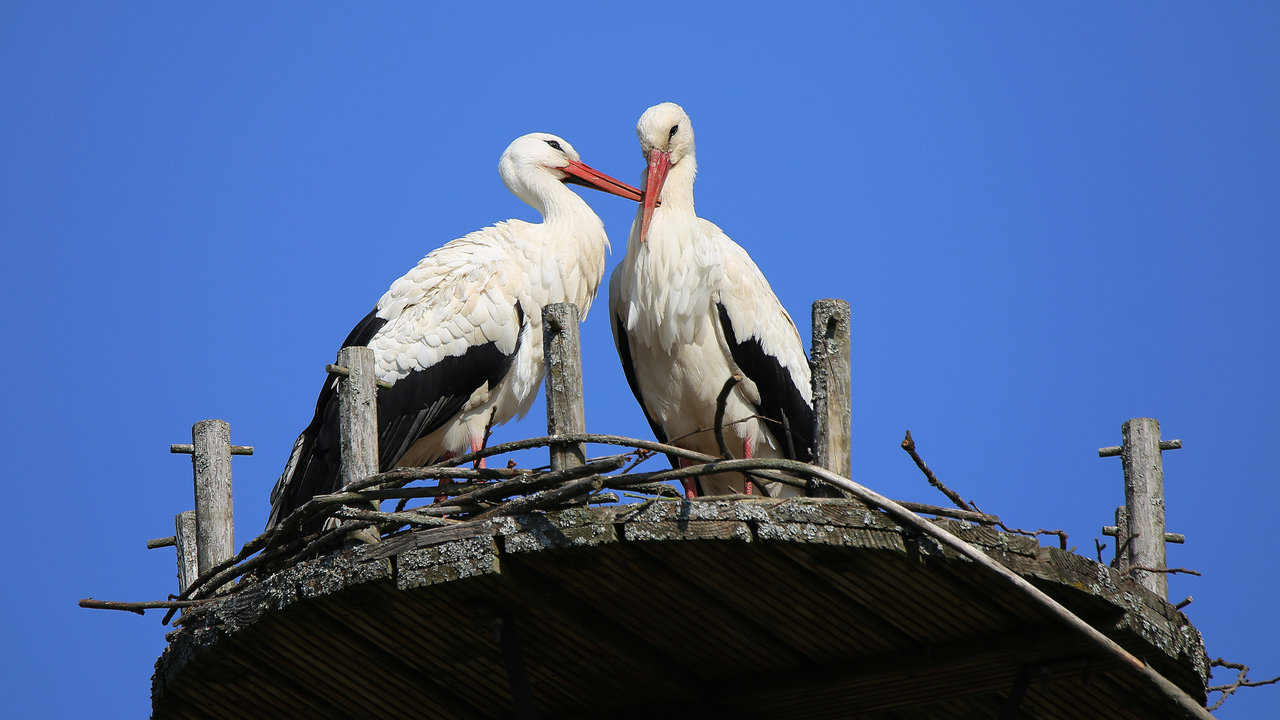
(711, 608)
(497, 601)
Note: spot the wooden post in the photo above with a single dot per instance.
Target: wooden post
(358, 422)
(832, 386)
(1145, 534)
(184, 525)
(1121, 534)
(211, 470)
(565, 412)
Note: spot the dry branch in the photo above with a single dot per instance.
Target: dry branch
(909, 445)
(140, 607)
(1242, 680)
(721, 401)
(1169, 571)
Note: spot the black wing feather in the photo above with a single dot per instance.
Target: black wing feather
(787, 416)
(412, 407)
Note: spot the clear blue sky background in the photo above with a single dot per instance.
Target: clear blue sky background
(1047, 221)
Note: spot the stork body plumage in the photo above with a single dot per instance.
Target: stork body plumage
(459, 337)
(690, 309)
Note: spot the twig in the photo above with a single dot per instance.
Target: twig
(139, 607)
(750, 466)
(721, 401)
(731, 423)
(1242, 680)
(488, 430)
(1170, 571)
(412, 517)
(641, 456)
(581, 486)
(970, 515)
(525, 484)
(1062, 535)
(659, 489)
(909, 445)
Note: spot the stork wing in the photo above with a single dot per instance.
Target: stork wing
(766, 347)
(443, 331)
(787, 415)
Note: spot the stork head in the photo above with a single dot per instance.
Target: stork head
(666, 139)
(531, 159)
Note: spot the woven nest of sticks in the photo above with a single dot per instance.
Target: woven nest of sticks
(457, 492)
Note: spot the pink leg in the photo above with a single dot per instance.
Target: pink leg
(748, 487)
(690, 484)
(477, 444)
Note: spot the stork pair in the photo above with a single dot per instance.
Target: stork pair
(458, 339)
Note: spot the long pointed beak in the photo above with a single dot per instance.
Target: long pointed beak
(580, 174)
(659, 164)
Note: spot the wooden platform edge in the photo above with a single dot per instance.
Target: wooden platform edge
(1143, 622)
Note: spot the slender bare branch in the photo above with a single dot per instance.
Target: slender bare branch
(1242, 680)
(909, 445)
(1169, 571)
(721, 401)
(139, 607)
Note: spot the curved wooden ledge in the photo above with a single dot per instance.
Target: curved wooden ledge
(743, 607)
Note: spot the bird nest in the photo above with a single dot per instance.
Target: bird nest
(465, 493)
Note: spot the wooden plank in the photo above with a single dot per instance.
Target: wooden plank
(565, 411)
(211, 471)
(443, 563)
(932, 674)
(553, 598)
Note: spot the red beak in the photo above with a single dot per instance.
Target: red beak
(580, 174)
(655, 176)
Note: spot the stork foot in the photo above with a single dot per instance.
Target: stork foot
(690, 488)
(690, 484)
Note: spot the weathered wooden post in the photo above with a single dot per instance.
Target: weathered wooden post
(210, 451)
(565, 411)
(832, 386)
(1141, 536)
(358, 421)
(184, 526)
(184, 540)
(205, 537)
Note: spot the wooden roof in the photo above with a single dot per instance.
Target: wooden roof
(745, 607)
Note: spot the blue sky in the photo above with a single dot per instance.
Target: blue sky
(1047, 221)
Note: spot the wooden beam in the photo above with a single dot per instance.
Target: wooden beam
(931, 675)
(545, 595)
(832, 386)
(358, 423)
(184, 524)
(565, 411)
(1144, 499)
(211, 474)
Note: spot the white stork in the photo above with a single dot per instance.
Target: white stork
(460, 335)
(690, 309)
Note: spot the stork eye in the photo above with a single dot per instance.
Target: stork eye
(555, 145)
(672, 134)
